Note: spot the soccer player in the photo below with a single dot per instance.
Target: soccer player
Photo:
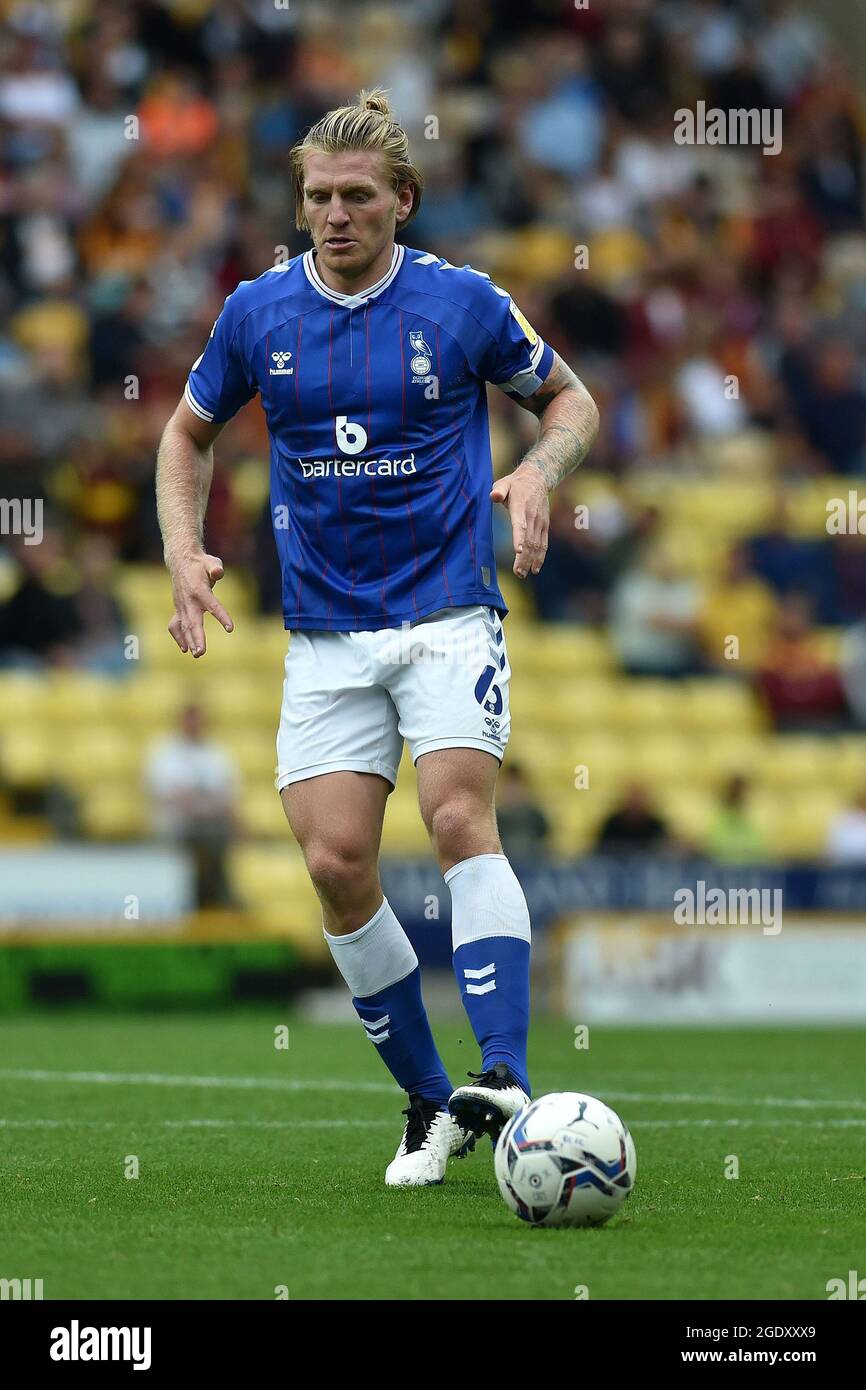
(371, 360)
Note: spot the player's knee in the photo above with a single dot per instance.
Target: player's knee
(459, 824)
(337, 869)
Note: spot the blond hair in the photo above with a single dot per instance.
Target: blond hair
(369, 124)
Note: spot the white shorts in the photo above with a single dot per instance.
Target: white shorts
(351, 698)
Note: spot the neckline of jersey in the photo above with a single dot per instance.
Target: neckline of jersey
(350, 301)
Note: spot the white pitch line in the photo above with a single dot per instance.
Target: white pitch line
(135, 1123)
(236, 1083)
(263, 1083)
(782, 1102)
(731, 1123)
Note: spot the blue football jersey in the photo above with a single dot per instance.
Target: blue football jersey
(377, 413)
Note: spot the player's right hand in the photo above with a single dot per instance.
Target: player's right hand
(192, 580)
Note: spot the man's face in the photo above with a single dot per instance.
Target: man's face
(352, 208)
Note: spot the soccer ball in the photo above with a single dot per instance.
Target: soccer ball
(565, 1160)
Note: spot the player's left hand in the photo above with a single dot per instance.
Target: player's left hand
(525, 497)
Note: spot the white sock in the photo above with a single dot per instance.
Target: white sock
(487, 900)
(375, 956)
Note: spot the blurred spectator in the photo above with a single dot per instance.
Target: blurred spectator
(828, 399)
(176, 119)
(733, 836)
(794, 564)
(740, 605)
(99, 645)
(193, 786)
(632, 825)
(571, 585)
(523, 827)
(846, 838)
(801, 688)
(847, 554)
(561, 122)
(40, 623)
(630, 66)
(852, 671)
(654, 618)
(791, 44)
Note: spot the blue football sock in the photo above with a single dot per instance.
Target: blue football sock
(381, 969)
(491, 937)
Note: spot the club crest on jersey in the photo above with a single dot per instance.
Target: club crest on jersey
(422, 360)
(280, 361)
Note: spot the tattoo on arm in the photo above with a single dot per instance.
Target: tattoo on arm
(569, 423)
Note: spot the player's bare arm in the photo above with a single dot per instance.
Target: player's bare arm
(568, 418)
(184, 471)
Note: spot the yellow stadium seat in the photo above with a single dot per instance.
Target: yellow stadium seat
(830, 643)
(796, 825)
(715, 706)
(260, 811)
(99, 756)
(700, 554)
(74, 698)
(117, 811)
(849, 763)
(720, 508)
(274, 884)
(645, 705)
(152, 701)
(562, 704)
(807, 504)
(667, 760)
(607, 758)
(404, 831)
(688, 812)
(254, 753)
(23, 699)
(230, 700)
(544, 755)
(723, 755)
(749, 454)
(796, 761)
(265, 873)
(268, 643)
(565, 650)
(27, 756)
(575, 818)
(517, 597)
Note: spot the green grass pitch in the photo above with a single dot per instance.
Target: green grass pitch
(261, 1168)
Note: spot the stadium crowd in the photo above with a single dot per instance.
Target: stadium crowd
(711, 297)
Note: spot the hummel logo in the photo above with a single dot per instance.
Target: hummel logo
(280, 359)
